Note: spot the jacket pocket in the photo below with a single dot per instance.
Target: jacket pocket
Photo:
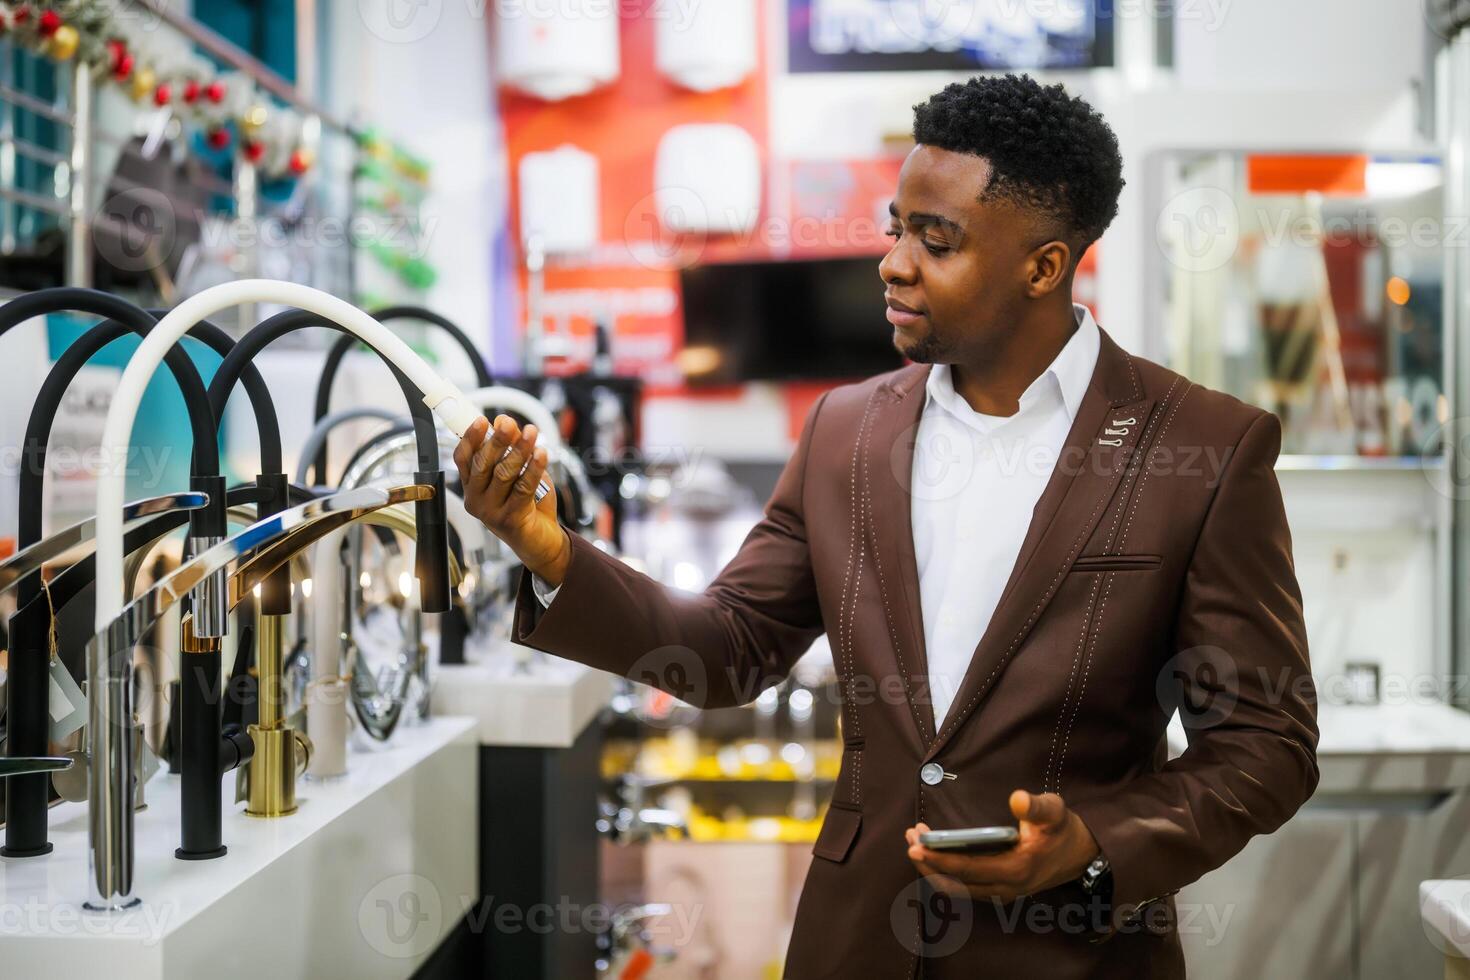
(1117, 563)
(839, 830)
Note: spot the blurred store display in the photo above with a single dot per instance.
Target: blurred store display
(1312, 286)
(709, 46)
(707, 179)
(559, 52)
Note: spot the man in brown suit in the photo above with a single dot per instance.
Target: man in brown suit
(1149, 571)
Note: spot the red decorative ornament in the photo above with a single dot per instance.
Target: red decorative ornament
(254, 151)
(300, 162)
(50, 21)
(215, 92)
(191, 91)
(118, 58)
(218, 138)
(22, 14)
(162, 94)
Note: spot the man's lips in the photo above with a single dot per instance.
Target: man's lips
(901, 314)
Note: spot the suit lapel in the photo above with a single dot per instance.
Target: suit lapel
(1096, 454)
(883, 499)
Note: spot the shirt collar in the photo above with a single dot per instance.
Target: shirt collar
(1068, 375)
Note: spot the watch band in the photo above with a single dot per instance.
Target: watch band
(1097, 878)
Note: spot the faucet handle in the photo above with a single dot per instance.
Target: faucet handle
(452, 407)
(26, 765)
(304, 748)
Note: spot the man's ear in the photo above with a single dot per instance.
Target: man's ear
(1048, 268)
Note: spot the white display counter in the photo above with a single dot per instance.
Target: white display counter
(364, 881)
(548, 705)
(1337, 890)
(1445, 908)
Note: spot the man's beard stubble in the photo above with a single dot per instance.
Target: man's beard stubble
(926, 350)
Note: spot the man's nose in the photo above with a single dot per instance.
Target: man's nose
(896, 266)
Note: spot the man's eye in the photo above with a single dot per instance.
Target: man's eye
(936, 248)
(892, 233)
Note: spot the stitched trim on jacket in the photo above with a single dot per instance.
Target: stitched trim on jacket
(852, 577)
(1143, 483)
(919, 917)
(1133, 376)
(1077, 656)
(870, 533)
(1142, 451)
(1086, 670)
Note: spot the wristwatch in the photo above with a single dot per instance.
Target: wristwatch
(1097, 879)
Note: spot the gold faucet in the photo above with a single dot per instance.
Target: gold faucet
(281, 752)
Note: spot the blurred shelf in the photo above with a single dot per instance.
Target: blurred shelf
(665, 781)
(1304, 462)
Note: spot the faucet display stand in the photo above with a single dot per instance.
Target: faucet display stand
(398, 828)
(540, 770)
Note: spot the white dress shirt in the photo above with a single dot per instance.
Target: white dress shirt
(976, 480)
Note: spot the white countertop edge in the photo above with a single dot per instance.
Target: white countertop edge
(186, 889)
(548, 707)
(1377, 730)
(1444, 906)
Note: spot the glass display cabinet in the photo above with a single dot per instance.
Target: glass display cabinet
(1312, 286)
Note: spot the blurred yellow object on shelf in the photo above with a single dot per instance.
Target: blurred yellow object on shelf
(744, 761)
(708, 828)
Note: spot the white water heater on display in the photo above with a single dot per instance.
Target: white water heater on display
(559, 200)
(707, 179)
(708, 45)
(556, 51)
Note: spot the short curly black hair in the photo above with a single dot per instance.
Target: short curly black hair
(1049, 151)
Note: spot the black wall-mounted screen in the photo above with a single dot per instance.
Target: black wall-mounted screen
(948, 35)
(786, 321)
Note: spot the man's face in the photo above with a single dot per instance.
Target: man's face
(959, 268)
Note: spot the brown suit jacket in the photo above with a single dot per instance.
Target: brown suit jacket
(1156, 573)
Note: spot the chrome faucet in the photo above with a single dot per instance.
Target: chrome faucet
(628, 820)
(247, 558)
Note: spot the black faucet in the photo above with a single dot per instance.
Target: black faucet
(339, 349)
(431, 556)
(27, 691)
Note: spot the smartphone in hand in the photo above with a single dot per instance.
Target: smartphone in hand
(972, 840)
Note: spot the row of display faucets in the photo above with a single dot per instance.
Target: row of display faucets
(221, 569)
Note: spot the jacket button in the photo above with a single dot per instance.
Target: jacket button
(932, 774)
